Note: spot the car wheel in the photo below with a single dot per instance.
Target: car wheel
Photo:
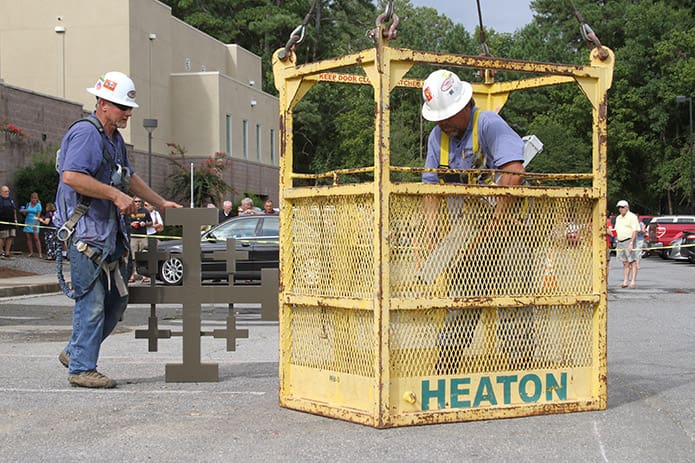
(171, 272)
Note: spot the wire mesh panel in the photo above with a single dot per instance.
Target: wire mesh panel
(434, 342)
(540, 246)
(332, 339)
(332, 246)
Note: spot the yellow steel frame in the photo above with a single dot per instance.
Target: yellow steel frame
(375, 399)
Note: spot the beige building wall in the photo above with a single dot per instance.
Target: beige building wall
(185, 79)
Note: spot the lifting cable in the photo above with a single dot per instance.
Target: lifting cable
(487, 74)
(483, 40)
(588, 34)
(297, 35)
(387, 15)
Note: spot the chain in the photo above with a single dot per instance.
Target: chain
(387, 15)
(297, 35)
(588, 34)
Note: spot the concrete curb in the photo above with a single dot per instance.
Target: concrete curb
(29, 289)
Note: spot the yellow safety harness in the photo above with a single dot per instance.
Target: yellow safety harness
(479, 157)
(478, 161)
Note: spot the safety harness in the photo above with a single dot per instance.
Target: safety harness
(478, 163)
(121, 179)
(68, 227)
(478, 155)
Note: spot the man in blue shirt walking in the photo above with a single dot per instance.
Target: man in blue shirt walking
(94, 195)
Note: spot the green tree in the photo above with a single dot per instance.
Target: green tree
(40, 177)
(653, 43)
(208, 183)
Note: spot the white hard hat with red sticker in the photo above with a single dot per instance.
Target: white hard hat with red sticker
(115, 87)
(445, 95)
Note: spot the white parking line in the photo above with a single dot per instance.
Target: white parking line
(123, 391)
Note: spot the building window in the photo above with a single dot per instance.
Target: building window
(258, 142)
(272, 146)
(245, 139)
(228, 135)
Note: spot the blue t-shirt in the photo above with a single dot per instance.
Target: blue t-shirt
(81, 151)
(497, 140)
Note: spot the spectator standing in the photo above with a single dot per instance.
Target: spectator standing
(94, 163)
(627, 226)
(157, 221)
(49, 236)
(32, 212)
(8, 221)
(140, 220)
(246, 207)
(227, 212)
(268, 208)
(152, 231)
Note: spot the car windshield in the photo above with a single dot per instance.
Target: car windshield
(270, 226)
(243, 228)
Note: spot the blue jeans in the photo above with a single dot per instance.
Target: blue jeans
(97, 310)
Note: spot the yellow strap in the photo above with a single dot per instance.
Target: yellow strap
(476, 142)
(444, 151)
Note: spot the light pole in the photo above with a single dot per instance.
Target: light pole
(150, 125)
(689, 99)
(152, 37)
(60, 30)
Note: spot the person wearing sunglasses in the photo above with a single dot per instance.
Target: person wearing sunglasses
(92, 163)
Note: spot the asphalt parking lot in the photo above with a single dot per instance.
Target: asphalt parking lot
(650, 415)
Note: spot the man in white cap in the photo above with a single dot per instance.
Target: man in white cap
(467, 137)
(95, 193)
(627, 226)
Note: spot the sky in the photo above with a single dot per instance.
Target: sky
(500, 15)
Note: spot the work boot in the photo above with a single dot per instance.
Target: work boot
(64, 358)
(92, 379)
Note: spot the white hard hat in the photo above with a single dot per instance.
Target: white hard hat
(622, 203)
(445, 95)
(115, 87)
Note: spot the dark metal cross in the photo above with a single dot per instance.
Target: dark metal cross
(153, 333)
(192, 294)
(231, 333)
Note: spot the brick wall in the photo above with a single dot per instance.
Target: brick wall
(253, 177)
(43, 119)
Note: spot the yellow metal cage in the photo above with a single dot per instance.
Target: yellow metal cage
(379, 327)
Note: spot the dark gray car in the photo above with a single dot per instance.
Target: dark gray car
(256, 234)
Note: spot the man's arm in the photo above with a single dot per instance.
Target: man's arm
(512, 179)
(508, 179)
(89, 186)
(635, 230)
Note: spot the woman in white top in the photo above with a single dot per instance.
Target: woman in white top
(157, 222)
